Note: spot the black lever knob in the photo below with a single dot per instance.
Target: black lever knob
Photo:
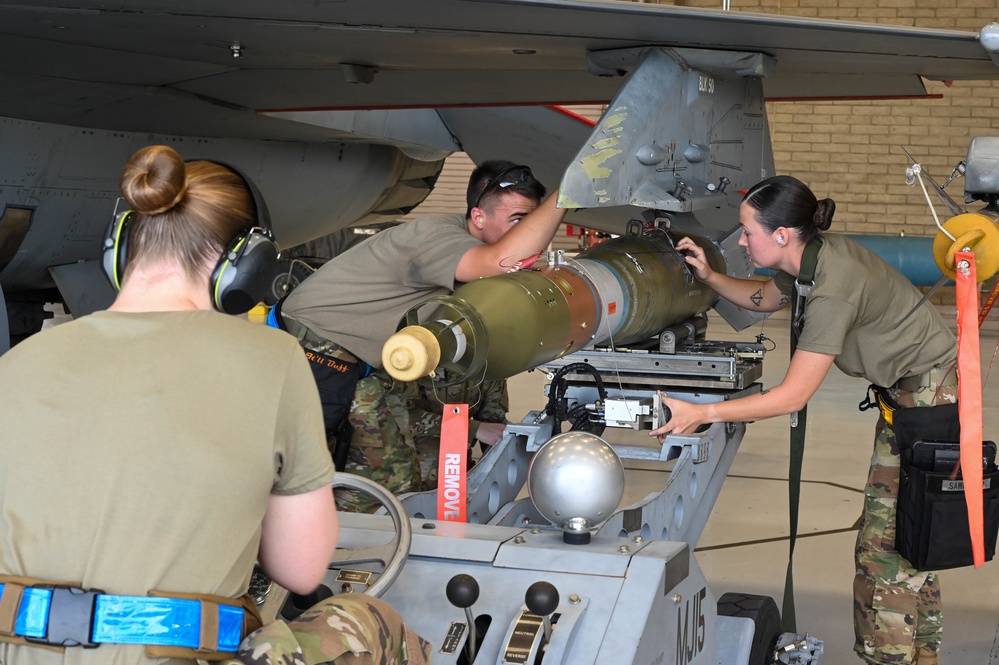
(541, 598)
(462, 590)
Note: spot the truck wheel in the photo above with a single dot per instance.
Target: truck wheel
(766, 618)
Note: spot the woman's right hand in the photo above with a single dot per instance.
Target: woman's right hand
(694, 256)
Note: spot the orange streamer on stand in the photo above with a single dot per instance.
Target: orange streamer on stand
(969, 392)
(452, 478)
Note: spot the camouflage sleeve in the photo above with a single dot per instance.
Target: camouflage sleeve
(353, 628)
(488, 403)
(423, 421)
(495, 402)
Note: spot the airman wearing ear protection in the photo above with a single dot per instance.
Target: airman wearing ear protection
(146, 460)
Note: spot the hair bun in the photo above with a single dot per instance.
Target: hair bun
(824, 210)
(154, 180)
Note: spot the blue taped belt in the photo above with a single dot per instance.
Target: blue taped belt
(66, 616)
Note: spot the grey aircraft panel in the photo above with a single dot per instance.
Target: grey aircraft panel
(544, 138)
(343, 111)
(168, 66)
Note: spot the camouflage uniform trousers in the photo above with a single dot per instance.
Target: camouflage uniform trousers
(897, 611)
(488, 402)
(381, 448)
(352, 629)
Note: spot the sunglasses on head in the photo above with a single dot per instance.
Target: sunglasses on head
(505, 178)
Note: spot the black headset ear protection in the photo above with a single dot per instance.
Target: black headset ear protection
(244, 272)
(114, 248)
(247, 267)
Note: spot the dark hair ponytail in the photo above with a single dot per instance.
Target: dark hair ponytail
(786, 201)
(824, 210)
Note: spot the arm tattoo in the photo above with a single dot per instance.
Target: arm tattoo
(757, 297)
(784, 299)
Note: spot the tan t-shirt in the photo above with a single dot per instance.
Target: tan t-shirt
(358, 297)
(139, 450)
(856, 312)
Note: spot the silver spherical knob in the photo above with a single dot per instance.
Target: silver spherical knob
(576, 481)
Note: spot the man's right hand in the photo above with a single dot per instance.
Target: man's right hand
(490, 433)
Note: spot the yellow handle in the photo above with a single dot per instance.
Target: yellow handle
(967, 240)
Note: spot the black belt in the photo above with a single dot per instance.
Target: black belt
(321, 344)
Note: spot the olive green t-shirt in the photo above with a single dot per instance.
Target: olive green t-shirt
(856, 311)
(357, 298)
(139, 452)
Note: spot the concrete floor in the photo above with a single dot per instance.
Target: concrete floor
(744, 546)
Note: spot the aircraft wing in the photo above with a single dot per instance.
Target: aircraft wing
(343, 111)
(217, 68)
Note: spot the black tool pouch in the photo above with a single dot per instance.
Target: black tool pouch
(341, 445)
(932, 530)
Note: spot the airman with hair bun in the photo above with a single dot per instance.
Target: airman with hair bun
(866, 318)
(162, 447)
(186, 212)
